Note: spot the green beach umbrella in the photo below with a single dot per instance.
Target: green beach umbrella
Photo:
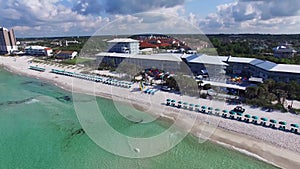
(203, 107)
(217, 109)
(232, 112)
(173, 101)
(273, 121)
(179, 102)
(197, 105)
(295, 125)
(239, 113)
(255, 117)
(191, 105)
(282, 122)
(168, 100)
(185, 103)
(247, 115)
(225, 111)
(264, 119)
(210, 108)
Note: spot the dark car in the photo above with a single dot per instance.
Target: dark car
(269, 110)
(166, 88)
(239, 109)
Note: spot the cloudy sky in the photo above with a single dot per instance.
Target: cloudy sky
(85, 17)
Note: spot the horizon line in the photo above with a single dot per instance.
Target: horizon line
(209, 34)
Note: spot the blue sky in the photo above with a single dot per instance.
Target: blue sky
(203, 8)
(87, 17)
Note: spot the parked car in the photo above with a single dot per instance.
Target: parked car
(269, 110)
(166, 88)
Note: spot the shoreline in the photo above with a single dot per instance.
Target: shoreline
(280, 157)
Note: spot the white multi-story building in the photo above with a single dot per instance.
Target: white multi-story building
(124, 45)
(38, 51)
(7, 41)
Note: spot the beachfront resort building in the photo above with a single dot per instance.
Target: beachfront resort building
(38, 51)
(252, 67)
(127, 50)
(7, 41)
(124, 45)
(204, 65)
(167, 62)
(216, 67)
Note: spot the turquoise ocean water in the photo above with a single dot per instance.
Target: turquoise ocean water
(39, 129)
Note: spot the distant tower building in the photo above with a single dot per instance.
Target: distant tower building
(7, 41)
(124, 45)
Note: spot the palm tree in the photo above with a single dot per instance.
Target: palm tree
(270, 84)
(251, 92)
(293, 97)
(281, 95)
(262, 92)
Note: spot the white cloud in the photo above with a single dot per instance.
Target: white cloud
(84, 17)
(245, 16)
(164, 21)
(46, 18)
(77, 17)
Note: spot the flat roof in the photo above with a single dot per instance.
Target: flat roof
(215, 60)
(124, 40)
(205, 59)
(219, 84)
(242, 60)
(265, 65)
(161, 56)
(286, 68)
(36, 47)
(256, 79)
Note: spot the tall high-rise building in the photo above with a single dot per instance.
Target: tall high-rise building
(7, 41)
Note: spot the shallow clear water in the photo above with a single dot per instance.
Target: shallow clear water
(38, 122)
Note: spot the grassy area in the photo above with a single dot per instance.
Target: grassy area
(209, 51)
(76, 61)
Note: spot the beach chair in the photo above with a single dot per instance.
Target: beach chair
(154, 91)
(224, 115)
(281, 128)
(149, 91)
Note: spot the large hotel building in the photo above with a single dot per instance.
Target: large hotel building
(126, 50)
(7, 41)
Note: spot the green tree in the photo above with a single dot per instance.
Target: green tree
(281, 96)
(184, 84)
(130, 69)
(251, 92)
(270, 84)
(207, 86)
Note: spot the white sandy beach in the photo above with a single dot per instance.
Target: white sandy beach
(277, 147)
